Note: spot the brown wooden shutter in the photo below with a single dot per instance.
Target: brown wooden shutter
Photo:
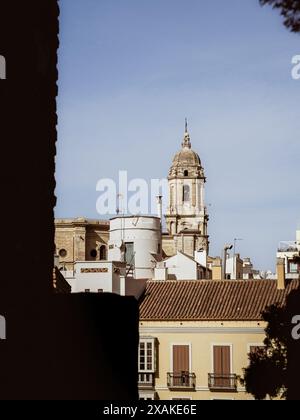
(181, 359)
(226, 360)
(217, 360)
(222, 360)
(222, 366)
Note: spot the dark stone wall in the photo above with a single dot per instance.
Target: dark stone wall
(57, 347)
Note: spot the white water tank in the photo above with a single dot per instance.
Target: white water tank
(136, 240)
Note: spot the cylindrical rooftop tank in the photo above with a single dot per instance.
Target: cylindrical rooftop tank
(136, 240)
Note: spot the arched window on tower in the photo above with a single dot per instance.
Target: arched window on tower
(186, 193)
(93, 254)
(186, 173)
(103, 253)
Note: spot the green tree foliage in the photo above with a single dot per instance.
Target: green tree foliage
(266, 376)
(289, 9)
(274, 370)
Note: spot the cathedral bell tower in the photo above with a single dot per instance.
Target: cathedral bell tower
(186, 217)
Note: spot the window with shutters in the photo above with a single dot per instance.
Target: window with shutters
(222, 356)
(181, 375)
(181, 358)
(222, 377)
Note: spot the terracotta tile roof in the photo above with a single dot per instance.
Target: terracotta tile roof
(211, 300)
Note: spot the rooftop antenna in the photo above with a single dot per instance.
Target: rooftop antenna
(120, 212)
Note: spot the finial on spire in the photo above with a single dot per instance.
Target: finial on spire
(186, 141)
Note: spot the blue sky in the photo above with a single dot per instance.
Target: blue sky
(130, 71)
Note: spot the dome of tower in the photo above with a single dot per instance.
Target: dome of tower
(186, 161)
(186, 157)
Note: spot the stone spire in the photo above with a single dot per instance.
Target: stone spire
(186, 141)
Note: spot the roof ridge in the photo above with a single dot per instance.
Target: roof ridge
(216, 281)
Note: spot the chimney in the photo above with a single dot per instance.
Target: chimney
(217, 269)
(280, 273)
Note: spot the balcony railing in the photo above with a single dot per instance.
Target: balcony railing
(222, 382)
(146, 380)
(183, 380)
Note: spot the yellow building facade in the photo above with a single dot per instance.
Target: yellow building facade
(202, 340)
(195, 337)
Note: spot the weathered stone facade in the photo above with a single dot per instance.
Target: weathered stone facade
(80, 240)
(186, 217)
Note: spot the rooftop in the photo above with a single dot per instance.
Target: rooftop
(81, 221)
(209, 300)
(289, 246)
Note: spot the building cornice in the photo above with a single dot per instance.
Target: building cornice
(81, 222)
(201, 330)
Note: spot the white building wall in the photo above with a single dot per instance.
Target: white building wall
(160, 273)
(201, 257)
(181, 267)
(145, 233)
(111, 279)
(93, 281)
(230, 267)
(233, 263)
(117, 281)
